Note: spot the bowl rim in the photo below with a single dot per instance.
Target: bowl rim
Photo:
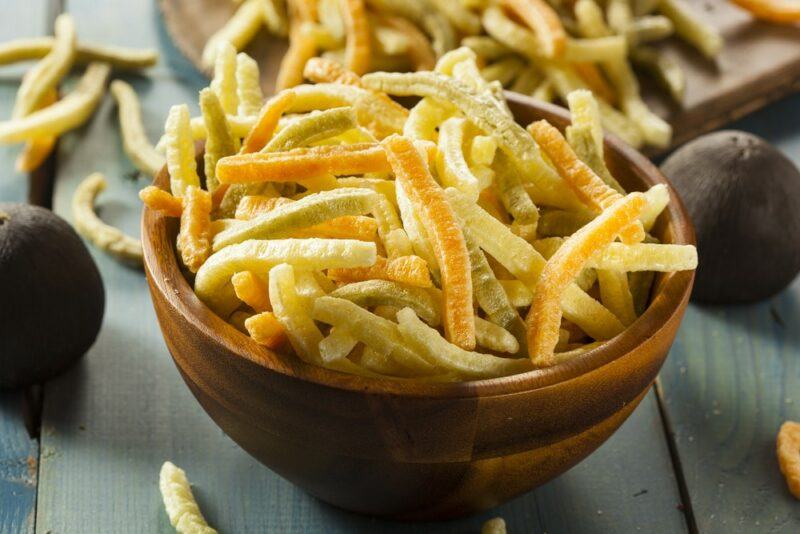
(166, 276)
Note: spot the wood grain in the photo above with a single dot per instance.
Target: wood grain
(733, 377)
(19, 456)
(19, 453)
(759, 64)
(602, 494)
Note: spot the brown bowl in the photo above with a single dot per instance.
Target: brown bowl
(418, 450)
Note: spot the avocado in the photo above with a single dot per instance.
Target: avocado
(744, 198)
(51, 295)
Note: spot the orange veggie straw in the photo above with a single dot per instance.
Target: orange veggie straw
(589, 187)
(251, 290)
(157, 199)
(356, 25)
(783, 12)
(420, 51)
(265, 329)
(788, 449)
(594, 79)
(322, 70)
(218, 195)
(267, 121)
(253, 205)
(303, 10)
(544, 317)
(344, 227)
(36, 151)
(302, 47)
(489, 201)
(358, 158)
(445, 234)
(544, 21)
(194, 237)
(411, 270)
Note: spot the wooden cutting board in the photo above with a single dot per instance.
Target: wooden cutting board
(760, 62)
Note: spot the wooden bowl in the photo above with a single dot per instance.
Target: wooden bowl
(418, 450)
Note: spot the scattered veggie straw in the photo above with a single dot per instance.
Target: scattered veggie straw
(35, 152)
(789, 455)
(534, 47)
(248, 85)
(779, 11)
(134, 139)
(179, 502)
(358, 48)
(66, 114)
(47, 73)
(39, 117)
(89, 225)
(496, 525)
(116, 56)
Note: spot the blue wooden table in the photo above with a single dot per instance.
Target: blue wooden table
(697, 455)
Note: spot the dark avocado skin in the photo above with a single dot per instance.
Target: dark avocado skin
(744, 199)
(51, 295)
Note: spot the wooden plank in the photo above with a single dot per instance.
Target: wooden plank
(19, 453)
(758, 64)
(627, 485)
(110, 422)
(733, 377)
(30, 20)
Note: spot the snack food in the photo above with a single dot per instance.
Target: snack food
(789, 455)
(179, 502)
(65, 114)
(321, 258)
(46, 74)
(539, 48)
(39, 117)
(106, 237)
(134, 139)
(495, 525)
(36, 151)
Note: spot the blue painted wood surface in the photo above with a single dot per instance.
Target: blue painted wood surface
(19, 453)
(108, 424)
(732, 378)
